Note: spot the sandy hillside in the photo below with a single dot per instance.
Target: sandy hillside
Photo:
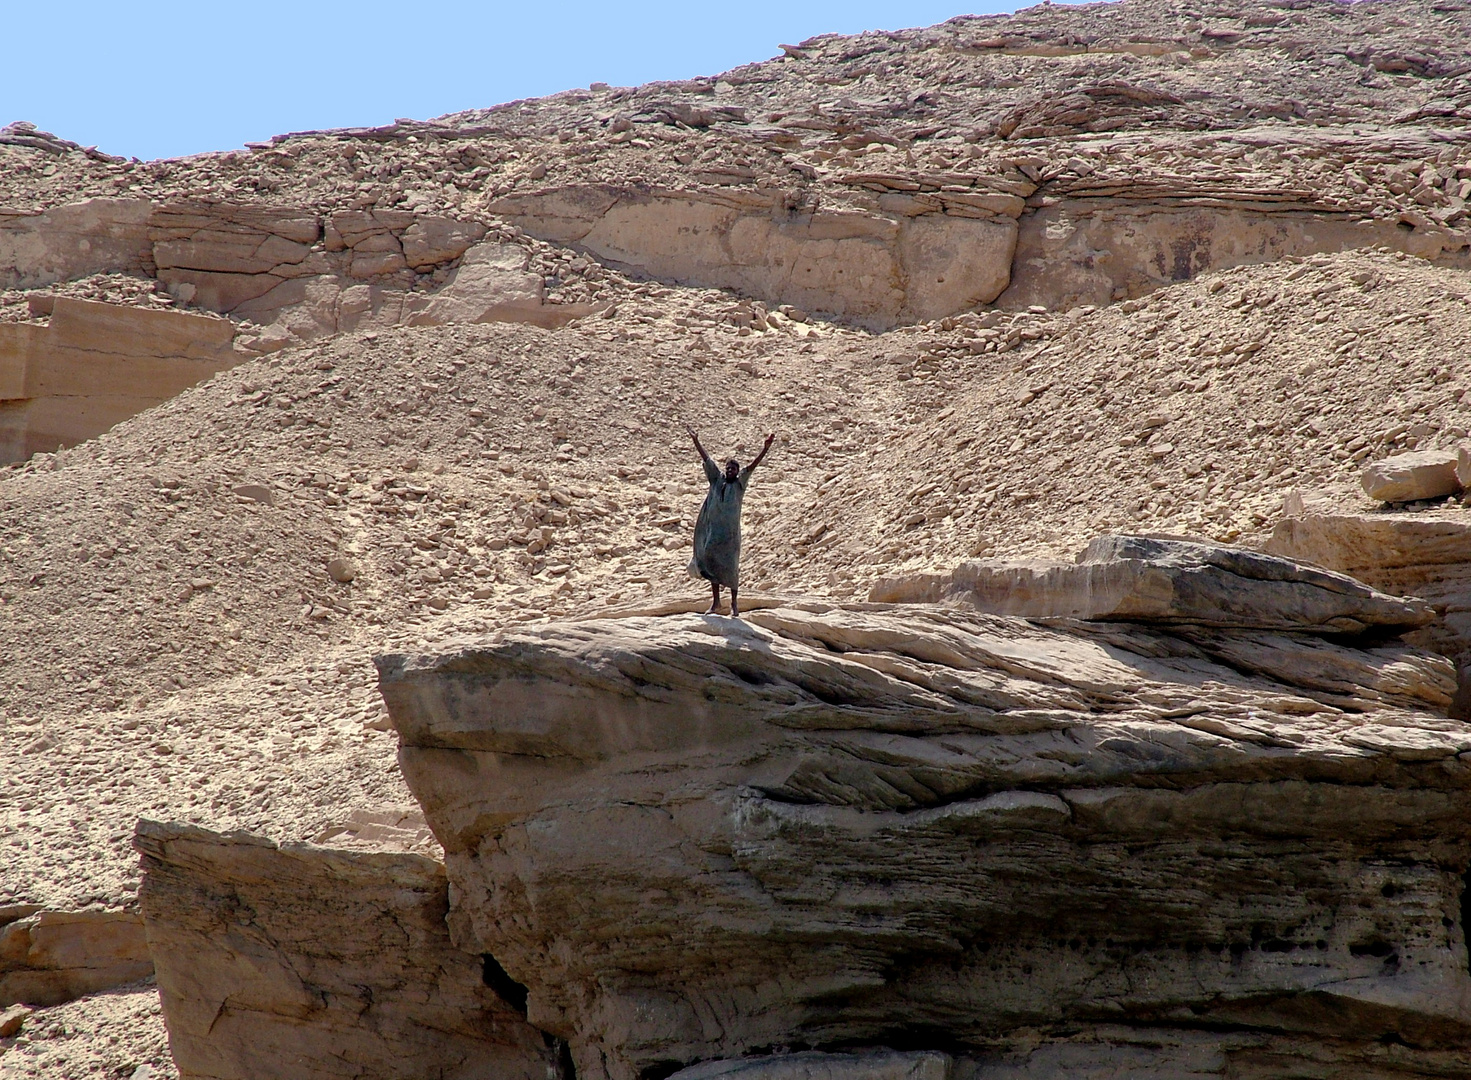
(173, 640)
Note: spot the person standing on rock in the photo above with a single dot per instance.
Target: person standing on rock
(718, 528)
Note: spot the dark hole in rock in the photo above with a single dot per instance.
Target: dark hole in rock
(1461, 703)
(1371, 948)
(505, 987)
(563, 1069)
(1465, 914)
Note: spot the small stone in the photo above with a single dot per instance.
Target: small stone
(1463, 466)
(483, 593)
(438, 603)
(341, 570)
(12, 1019)
(1421, 474)
(255, 493)
(199, 584)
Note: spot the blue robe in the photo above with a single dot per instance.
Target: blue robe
(718, 528)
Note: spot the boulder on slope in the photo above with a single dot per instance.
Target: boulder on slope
(1167, 581)
(1419, 474)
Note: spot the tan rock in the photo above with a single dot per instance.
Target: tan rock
(313, 963)
(865, 266)
(1420, 474)
(1150, 245)
(1463, 465)
(491, 285)
(97, 364)
(1145, 579)
(372, 264)
(220, 292)
(12, 1019)
(782, 817)
(1409, 554)
(94, 236)
(51, 957)
(433, 240)
(255, 493)
(341, 570)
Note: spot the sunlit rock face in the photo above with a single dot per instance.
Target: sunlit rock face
(695, 838)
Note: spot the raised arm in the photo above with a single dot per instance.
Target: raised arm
(746, 472)
(712, 471)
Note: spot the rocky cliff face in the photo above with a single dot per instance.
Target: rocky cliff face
(308, 962)
(693, 838)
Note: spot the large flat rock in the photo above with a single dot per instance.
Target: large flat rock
(311, 963)
(1152, 580)
(692, 838)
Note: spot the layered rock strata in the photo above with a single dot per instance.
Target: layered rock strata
(312, 963)
(304, 273)
(93, 365)
(48, 957)
(1426, 555)
(693, 837)
(875, 268)
(1161, 581)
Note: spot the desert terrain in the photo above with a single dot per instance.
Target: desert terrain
(1209, 258)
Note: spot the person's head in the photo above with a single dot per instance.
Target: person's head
(732, 469)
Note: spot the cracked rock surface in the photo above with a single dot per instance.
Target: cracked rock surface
(692, 837)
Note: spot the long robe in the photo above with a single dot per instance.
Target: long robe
(718, 528)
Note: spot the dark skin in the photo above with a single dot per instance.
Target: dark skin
(732, 472)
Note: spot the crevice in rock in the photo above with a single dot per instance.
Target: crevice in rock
(1460, 708)
(1466, 914)
(562, 1066)
(505, 987)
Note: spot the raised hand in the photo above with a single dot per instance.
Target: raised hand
(765, 447)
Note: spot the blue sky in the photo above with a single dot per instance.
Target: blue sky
(158, 81)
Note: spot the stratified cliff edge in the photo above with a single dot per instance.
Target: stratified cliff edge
(931, 829)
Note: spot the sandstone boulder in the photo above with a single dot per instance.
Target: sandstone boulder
(1146, 579)
(311, 963)
(1420, 474)
(432, 240)
(694, 837)
(49, 957)
(1463, 466)
(1427, 556)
